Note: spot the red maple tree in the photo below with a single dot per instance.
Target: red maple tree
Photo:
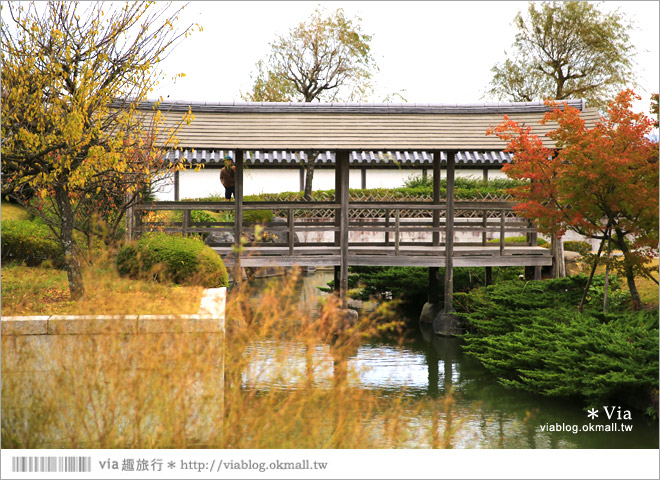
(600, 182)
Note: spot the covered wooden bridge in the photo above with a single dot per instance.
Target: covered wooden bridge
(340, 232)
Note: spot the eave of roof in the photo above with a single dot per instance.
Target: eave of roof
(359, 108)
(356, 158)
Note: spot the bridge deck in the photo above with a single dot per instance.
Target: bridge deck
(420, 256)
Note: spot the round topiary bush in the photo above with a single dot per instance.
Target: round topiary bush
(30, 242)
(178, 259)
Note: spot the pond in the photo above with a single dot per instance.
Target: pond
(423, 366)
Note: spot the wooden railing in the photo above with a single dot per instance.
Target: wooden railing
(392, 221)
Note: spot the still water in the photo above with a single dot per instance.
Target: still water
(425, 366)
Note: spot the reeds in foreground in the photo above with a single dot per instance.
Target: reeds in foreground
(279, 377)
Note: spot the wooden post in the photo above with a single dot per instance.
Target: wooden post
(363, 178)
(397, 234)
(387, 227)
(484, 224)
(436, 195)
(434, 285)
(185, 224)
(501, 232)
(176, 186)
(290, 221)
(489, 276)
(343, 166)
(302, 179)
(338, 190)
(485, 173)
(238, 214)
(449, 232)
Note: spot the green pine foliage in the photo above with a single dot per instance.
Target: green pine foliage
(532, 337)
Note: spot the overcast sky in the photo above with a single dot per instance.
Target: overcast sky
(431, 52)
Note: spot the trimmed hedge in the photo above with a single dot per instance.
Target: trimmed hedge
(166, 257)
(30, 242)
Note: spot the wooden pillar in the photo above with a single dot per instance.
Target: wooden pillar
(436, 195)
(238, 213)
(449, 232)
(363, 178)
(434, 285)
(176, 186)
(302, 178)
(343, 167)
(485, 175)
(489, 276)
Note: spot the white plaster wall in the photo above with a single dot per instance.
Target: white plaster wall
(206, 182)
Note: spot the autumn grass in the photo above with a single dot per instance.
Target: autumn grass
(210, 391)
(11, 211)
(45, 291)
(647, 288)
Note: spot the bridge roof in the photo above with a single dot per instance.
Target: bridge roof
(352, 126)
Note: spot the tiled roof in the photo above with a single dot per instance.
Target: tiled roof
(362, 108)
(363, 158)
(353, 127)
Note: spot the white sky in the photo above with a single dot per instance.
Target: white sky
(433, 52)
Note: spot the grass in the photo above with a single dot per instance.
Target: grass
(11, 211)
(647, 288)
(206, 391)
(44, 291)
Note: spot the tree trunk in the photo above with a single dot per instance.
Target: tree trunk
(72, 264)
(309, 174)
(559, 266)
(628, 269)
(591, 276)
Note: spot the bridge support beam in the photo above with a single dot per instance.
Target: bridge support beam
(238, 214)
(446, 323)
(341, 179)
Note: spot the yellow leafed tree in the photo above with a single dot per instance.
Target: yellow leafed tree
(73, 141)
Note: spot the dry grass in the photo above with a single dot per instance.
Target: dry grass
(647, 288)
(10, 211)
(204, 390)
(44, 291)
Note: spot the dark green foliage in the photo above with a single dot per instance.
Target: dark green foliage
(30, 242)
(169, 257)
(582, 248)
(532, 337)
(410, 284)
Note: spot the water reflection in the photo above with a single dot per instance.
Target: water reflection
(479, 413)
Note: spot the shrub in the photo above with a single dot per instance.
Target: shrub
(258, 216)
(30, 242)
(168, 257)
(520, 239)
(582, 248)
(532, 337)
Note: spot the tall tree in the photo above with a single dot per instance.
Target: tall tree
(600, 182)
(326, 58)
(566, 50)
(71, 133)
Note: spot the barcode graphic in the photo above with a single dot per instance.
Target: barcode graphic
(51, 464)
